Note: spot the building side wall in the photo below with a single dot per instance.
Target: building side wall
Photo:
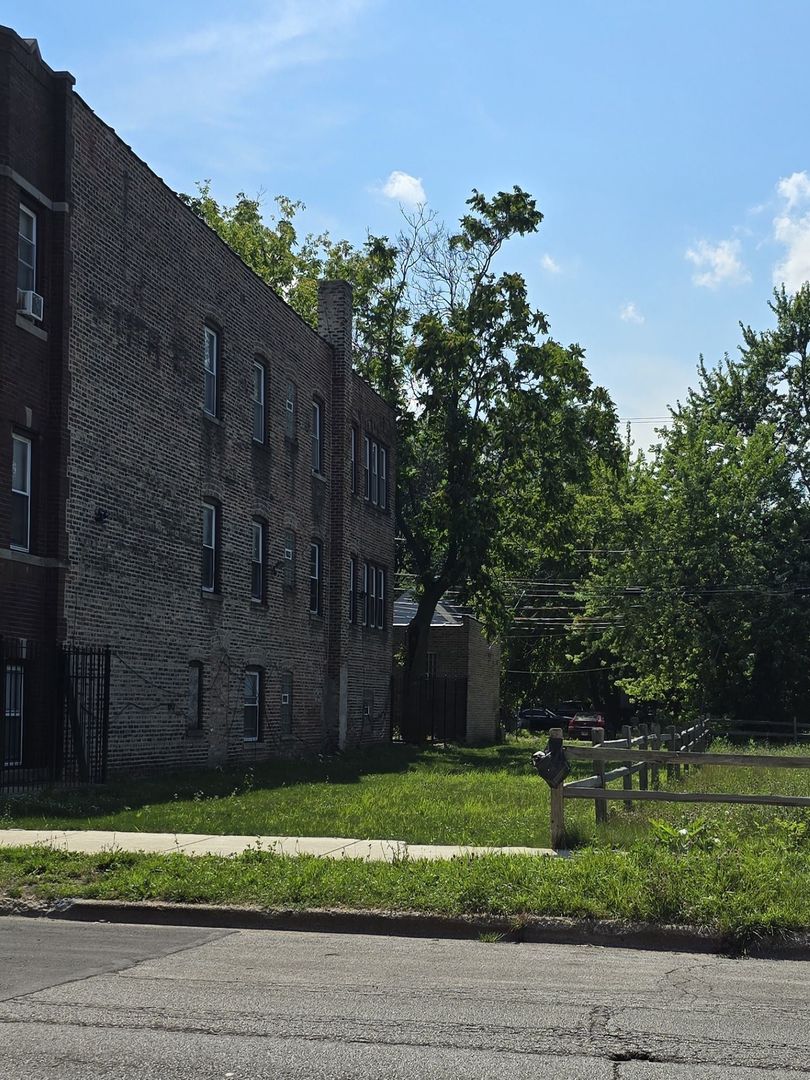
(34, 115)
(147, 276)
(369, 539)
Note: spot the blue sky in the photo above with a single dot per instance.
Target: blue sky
(666, 143)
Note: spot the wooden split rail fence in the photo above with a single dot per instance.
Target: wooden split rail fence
(645, 754)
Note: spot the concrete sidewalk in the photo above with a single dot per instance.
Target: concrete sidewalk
(329, 847)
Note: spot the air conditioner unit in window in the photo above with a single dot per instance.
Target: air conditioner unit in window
(30, 303)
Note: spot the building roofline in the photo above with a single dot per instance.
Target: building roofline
(31, 45)
(196, 217)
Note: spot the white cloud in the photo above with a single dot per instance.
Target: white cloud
(792, 229)
(717, 264)
(549, 264)
(794, 188)
(631, 314)
(204, 76)
(404, 189)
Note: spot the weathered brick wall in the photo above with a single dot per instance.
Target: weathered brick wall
(370, 538)
(34, 110)
(483, 685)
(147, 274)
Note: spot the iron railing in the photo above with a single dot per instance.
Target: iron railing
(54, 714)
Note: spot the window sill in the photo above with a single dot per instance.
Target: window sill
(194, 734)
(383, 511)
(216, 597)
(318, 476)
(216, 420)
(31, 327)
(257, 605)
(14, 555)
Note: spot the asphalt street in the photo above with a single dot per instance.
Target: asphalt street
(83, 1001)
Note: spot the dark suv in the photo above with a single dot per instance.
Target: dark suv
(567, 709)
(538, 718)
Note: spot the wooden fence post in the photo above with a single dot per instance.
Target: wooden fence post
(557, 801)
(674, 744)
(557, 817)
(643, 772)
(600, 806)
(656, 745)
(627, 779)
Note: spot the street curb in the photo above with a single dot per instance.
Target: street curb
(548, 930)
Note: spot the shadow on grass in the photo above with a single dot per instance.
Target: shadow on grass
(133, 793)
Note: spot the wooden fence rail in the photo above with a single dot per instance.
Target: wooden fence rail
(640, 758)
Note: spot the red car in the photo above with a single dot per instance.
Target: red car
(582, 722)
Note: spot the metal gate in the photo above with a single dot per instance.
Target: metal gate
(54, 714)
(439, 712)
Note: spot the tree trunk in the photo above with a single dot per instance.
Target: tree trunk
(416, 649)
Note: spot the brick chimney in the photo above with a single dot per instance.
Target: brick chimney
(335, 321)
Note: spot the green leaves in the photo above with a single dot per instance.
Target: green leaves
(712, 527)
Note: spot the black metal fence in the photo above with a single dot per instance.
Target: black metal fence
(54, 715)
(765, 730)
(438, 712)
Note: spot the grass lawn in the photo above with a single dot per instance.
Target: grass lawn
(444, 796)
(743, 870)
(452, 795)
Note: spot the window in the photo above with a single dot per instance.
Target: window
(13, 714)
(257, 561)
(352, 594)
(195, 697)
(380, 598)
(209, 548)
(315, 577)
(353, 459)
(259, 383)
(27, 251)
(383, 478)
(211, 366)
(375, 472)
(20, 493)
(317, 437)
(373, 595)
(286, 703)
(289, 560)
(372, 599)
(253, 704)
(375, 497)
(289, 411)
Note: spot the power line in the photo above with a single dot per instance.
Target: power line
(561, 671)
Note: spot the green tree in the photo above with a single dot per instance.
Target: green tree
(500, 420)
(702, 595)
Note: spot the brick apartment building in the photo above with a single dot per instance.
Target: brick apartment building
(189, 474)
